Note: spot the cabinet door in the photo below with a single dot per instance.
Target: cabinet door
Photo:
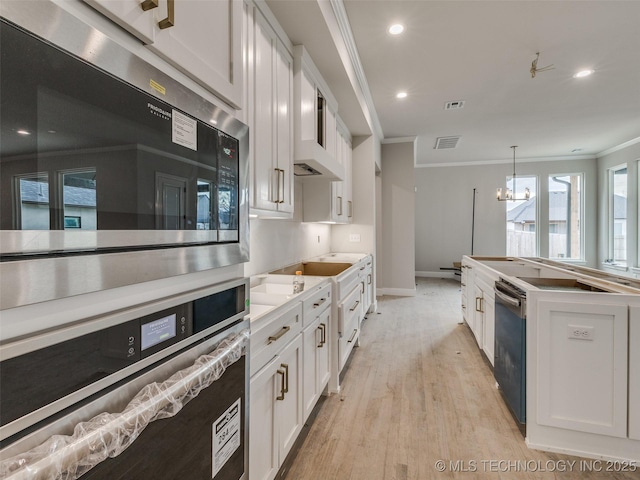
(582, 365)
(348, 182)
(323, 359)
(265, 175)
(478, 314)
(312, 338)
(316, 361)
(289, 407)
(205, 42)
(130, 15)
(284, 134)
(634, 373)
(263, 443)
(489, 325)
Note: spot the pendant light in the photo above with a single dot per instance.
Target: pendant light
(508, 194)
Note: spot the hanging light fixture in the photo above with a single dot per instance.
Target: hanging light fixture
(508, 194)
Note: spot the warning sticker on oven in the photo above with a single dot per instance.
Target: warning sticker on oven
(184, 130)
(226, 436)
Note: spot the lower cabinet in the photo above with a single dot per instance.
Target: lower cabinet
(276, 415)
(316, 360)
(349, 314)
(634, 373)
(582, 364)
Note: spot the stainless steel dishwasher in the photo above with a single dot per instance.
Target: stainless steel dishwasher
(510, 369)
(156, 391)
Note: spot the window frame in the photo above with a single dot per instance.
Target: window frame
(610, 261)
(582, 257)
(509, 178)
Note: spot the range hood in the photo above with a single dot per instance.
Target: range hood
(312, 161)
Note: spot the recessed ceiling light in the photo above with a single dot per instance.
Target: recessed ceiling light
(396, 29)
(583, 73)
(401, 95)
(23, 132)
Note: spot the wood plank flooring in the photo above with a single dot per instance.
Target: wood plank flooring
(418, 391)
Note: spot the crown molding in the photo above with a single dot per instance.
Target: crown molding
(497, 162)
(618, 147)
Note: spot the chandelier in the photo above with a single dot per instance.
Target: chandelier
(508, 194)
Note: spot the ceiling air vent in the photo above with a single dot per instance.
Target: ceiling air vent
(446, 142)
(456, 105)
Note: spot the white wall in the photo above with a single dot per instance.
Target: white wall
(444, 203)
(629, 155)
(276, 243)
(396, 267)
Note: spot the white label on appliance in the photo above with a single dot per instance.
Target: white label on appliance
(184, 130)
(226, 436)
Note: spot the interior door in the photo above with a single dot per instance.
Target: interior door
(171, 195)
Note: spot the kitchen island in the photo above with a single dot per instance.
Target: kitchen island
(581, 360)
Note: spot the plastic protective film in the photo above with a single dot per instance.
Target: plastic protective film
(67, 457)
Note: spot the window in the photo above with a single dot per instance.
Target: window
(33, 198)
(79, 199)
(522, 217)
(618, 215)
(565, 216)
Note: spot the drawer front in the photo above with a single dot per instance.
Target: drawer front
(316, 304)
(349, 310)
(274, 335)
(347, 284)
(348, 340)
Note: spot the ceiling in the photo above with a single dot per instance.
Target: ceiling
(481, 51)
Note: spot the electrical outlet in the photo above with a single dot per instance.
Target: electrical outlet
(580, 332)
(354, 237)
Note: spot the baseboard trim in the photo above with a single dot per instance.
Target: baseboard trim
(441, 274)
(398, 292)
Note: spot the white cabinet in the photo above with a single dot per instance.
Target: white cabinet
(276, 415)
(349, 315)
(202, 39)
(484, 315)
(316, 359)
(315, 111)
(332, 201)
(270, 119)
(366, 278)
(634, 373)
(582, 364)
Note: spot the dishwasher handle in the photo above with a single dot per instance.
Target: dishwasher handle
(109, 434)
(507, 299)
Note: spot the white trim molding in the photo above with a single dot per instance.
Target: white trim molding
(618, 147)
(397, 292)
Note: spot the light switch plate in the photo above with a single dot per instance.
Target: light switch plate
(354, 237)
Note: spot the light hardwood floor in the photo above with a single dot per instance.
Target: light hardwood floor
(418, 391)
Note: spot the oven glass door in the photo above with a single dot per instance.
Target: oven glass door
(100, 165)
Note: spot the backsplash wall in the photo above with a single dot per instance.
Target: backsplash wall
(277, 243)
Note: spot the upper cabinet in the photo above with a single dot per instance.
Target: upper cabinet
(332, 202)
(315, 147)
(270, 117)
(203, 39)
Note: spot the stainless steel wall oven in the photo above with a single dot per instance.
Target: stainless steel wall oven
(102, 153)
(119, 396)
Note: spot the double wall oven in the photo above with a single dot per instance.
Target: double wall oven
(116, 181)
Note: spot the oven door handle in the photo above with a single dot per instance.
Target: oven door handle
(510, 300)
(109, 434)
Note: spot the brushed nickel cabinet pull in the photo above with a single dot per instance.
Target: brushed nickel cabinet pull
(170, 20)
(319, 345)
(278, 336)
(323, 327)
(282, 392)
(286, 377)
(355, 331)
(355, 305)
(369, 279)
(350, 210)
(149, 4)
(340, 205)
(479, 309)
